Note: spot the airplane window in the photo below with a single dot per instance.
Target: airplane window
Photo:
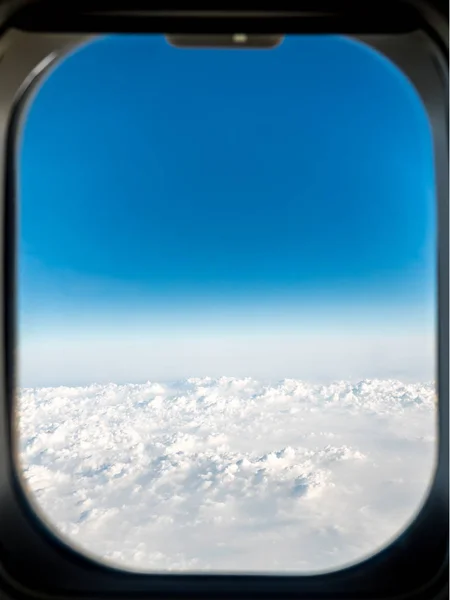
(227, 304)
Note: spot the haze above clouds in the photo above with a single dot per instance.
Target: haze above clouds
(81, 359)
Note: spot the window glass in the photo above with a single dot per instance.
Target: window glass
(227, 304)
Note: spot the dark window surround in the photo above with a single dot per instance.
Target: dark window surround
(33, 562)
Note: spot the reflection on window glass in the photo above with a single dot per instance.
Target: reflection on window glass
(227, 302)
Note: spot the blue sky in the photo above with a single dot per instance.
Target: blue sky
(239, 202)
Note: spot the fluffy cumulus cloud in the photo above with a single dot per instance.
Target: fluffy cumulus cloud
(228, 474)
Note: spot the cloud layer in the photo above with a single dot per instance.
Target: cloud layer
(229, 474)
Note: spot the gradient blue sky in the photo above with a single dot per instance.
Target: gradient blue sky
(240, 212)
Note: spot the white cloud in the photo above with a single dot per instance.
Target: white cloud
(229, 474)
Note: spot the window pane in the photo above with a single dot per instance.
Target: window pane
(227, 304)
